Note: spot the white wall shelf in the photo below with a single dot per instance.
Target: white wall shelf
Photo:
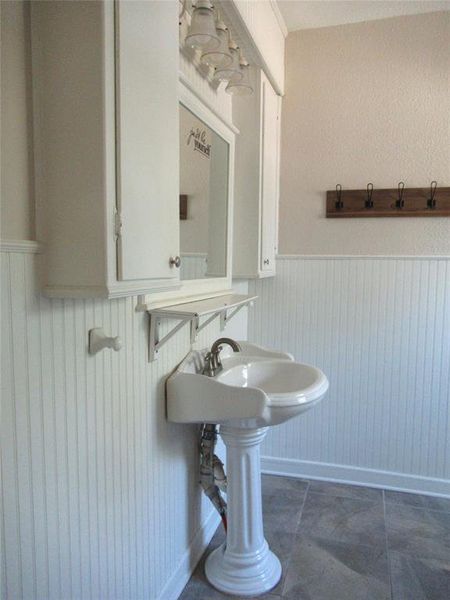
(226, 307)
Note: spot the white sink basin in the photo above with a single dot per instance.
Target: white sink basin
(256, 388)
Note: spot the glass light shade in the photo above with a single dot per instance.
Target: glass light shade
(233, 71)
(202, 30)
(181, 9)
(220, 57)
(242, 86)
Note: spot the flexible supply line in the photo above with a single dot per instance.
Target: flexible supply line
(212, 474)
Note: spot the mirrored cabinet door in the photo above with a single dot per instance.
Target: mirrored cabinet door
(204, 167)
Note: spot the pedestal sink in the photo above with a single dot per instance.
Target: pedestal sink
(257, 388)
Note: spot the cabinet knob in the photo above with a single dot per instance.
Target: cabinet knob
(266, 261)
(175, 262)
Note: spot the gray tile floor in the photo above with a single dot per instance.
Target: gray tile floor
(343, 542)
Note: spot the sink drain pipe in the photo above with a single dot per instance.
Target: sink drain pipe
(212, 475)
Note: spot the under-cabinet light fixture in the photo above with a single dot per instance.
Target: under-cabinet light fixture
(202, 31)
(233, 71)
(241, 86)
(219, 57)
(214, 45)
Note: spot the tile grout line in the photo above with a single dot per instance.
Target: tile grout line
(308, 485)
(388, 557)
(288, 562)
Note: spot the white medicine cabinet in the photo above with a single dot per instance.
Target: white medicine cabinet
(257, 181)
(107, 96)
(113, 116)
(105, 79)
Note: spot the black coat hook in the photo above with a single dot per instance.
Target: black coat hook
(400, 203)
(339, 204)
(431, 202)
(369, 201)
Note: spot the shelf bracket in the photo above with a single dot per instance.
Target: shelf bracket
(196, 327)
(154, 342)
(225, 316)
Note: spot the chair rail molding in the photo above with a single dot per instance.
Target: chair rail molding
(21, 246)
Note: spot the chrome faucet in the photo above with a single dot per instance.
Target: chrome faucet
(213, 365)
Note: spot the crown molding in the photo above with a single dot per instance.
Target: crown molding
(279, 17)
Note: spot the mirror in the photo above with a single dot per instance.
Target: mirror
(204, 164)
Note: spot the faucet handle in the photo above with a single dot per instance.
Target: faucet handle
(213, 363)
(215, 355)
(208, 367)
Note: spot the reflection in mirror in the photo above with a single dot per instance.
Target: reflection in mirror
(203, 199)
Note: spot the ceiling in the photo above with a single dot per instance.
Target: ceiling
(309, 14)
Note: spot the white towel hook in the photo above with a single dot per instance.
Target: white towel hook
(98, 340)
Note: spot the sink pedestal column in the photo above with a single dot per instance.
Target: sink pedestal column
(244, 564)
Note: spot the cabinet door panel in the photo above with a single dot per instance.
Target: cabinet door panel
(269, 175)
(147, 138)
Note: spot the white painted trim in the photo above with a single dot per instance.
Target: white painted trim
(356, 476)
(119, 290)
(127, 288)
(252, 51)
(190, 558)
(357, 257)
(194, 101)
(192, 88)
(258, 275)
(20, 246)
(279, 17)
(194, 254)
(246, 276)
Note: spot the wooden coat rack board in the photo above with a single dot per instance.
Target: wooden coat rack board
(431, 201)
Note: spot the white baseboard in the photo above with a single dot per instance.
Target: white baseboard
(356, 476)
(190, 558)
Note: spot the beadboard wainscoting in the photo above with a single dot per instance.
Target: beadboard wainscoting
(100, 494)
(380, 329)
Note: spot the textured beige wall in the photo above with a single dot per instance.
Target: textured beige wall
(17, 195)
(365, 102)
